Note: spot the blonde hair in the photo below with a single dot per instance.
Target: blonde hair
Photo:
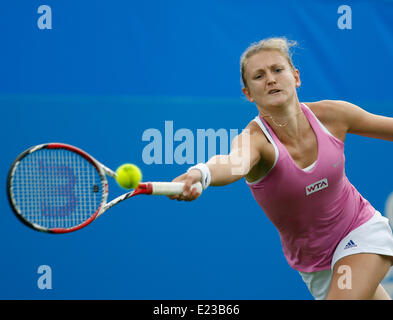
(280, 44)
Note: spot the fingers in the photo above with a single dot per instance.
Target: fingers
(177, 179)
(188, 179)
(187, 195)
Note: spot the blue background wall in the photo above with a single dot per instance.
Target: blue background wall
(108, 71)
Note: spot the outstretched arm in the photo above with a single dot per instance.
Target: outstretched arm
(246, 152)
(344, 117)
(367, 124)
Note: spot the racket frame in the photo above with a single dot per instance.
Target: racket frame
(101, 170)
(148, 188)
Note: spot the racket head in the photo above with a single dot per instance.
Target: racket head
(56, 188)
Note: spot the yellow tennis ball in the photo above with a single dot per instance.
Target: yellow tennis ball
(128, 176)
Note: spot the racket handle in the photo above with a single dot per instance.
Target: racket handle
(172, 188)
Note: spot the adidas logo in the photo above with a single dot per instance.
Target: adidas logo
(350, 244)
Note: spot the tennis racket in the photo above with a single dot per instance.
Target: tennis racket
(58, 188)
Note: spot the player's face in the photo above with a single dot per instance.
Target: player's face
(270, 79)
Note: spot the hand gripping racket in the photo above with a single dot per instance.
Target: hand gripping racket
(58, 188)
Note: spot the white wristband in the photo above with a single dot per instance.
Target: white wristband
(205, 173)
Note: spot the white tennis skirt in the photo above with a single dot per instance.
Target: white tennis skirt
(374, 236)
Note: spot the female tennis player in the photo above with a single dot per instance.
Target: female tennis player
(292, 157)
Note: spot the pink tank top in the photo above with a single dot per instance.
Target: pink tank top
(312, 210)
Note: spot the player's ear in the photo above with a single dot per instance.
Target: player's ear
(296, 74)
(248, 95)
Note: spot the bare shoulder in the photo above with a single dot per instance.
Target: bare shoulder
(259, 143)
(252, 133)
(256, 133)
(253, 127)
(333, 114)
(341, 117)
(263, 151)
(329, 110)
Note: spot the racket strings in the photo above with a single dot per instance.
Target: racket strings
(56, 188)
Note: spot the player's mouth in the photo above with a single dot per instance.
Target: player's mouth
(274, 91)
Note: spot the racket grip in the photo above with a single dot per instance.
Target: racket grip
(172, 188)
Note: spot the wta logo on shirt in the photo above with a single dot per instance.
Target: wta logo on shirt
(316, 186)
